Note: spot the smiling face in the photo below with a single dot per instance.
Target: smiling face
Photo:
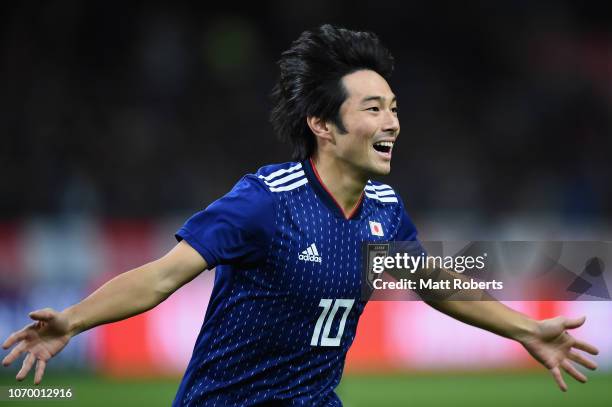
(369, 115)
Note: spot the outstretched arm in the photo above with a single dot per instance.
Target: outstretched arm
(126, 295)
(547, 340)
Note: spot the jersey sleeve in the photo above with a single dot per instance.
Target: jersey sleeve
(407, 232)
(235, 229)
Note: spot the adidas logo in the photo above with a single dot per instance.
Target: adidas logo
(310, 254)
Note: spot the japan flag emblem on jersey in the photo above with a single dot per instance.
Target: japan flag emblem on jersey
(376, 228)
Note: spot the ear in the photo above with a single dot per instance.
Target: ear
(320, 128)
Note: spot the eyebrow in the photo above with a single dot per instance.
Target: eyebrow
(377, 98)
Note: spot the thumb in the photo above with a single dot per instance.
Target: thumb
(570, 323)
(44, 315)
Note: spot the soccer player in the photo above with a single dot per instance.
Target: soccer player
(286, 244)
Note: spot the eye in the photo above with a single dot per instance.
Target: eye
(394, 109)
(373, 109)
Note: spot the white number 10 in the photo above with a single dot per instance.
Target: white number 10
(326, 304)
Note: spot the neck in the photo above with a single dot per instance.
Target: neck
(341, 180)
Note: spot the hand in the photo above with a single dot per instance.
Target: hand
(41, 340)
(552, 346)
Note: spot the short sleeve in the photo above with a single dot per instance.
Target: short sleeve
(235, 229)
(407, 232)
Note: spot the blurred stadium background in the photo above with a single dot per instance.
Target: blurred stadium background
(120, 121)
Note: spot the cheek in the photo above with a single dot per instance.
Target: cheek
(364, 137)
(356, 143)
(362, 131)
(359, 138)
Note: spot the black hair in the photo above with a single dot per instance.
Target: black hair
(310, 80)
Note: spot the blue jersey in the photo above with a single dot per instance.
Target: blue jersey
(287, 296)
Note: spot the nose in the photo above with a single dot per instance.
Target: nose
(391, 122)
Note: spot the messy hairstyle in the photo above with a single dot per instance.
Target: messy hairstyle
(310, 81)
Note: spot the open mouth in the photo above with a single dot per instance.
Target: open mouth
(384, 147)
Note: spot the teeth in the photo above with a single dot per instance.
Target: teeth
(384, 143)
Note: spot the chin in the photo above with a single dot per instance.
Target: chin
(381, 169)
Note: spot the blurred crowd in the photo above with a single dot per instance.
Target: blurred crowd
(142, 111)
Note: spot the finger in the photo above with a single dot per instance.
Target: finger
(571, 323)
(14, 337)
(558, 378)
(14, 354)
(585, 347)
(40, 371)
(584, 361)
(569, 368)
(45, 314)
(18, 335)
(28, 362)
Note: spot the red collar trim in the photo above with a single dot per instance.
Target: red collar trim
(353, 211)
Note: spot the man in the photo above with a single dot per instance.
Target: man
(285, 243)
